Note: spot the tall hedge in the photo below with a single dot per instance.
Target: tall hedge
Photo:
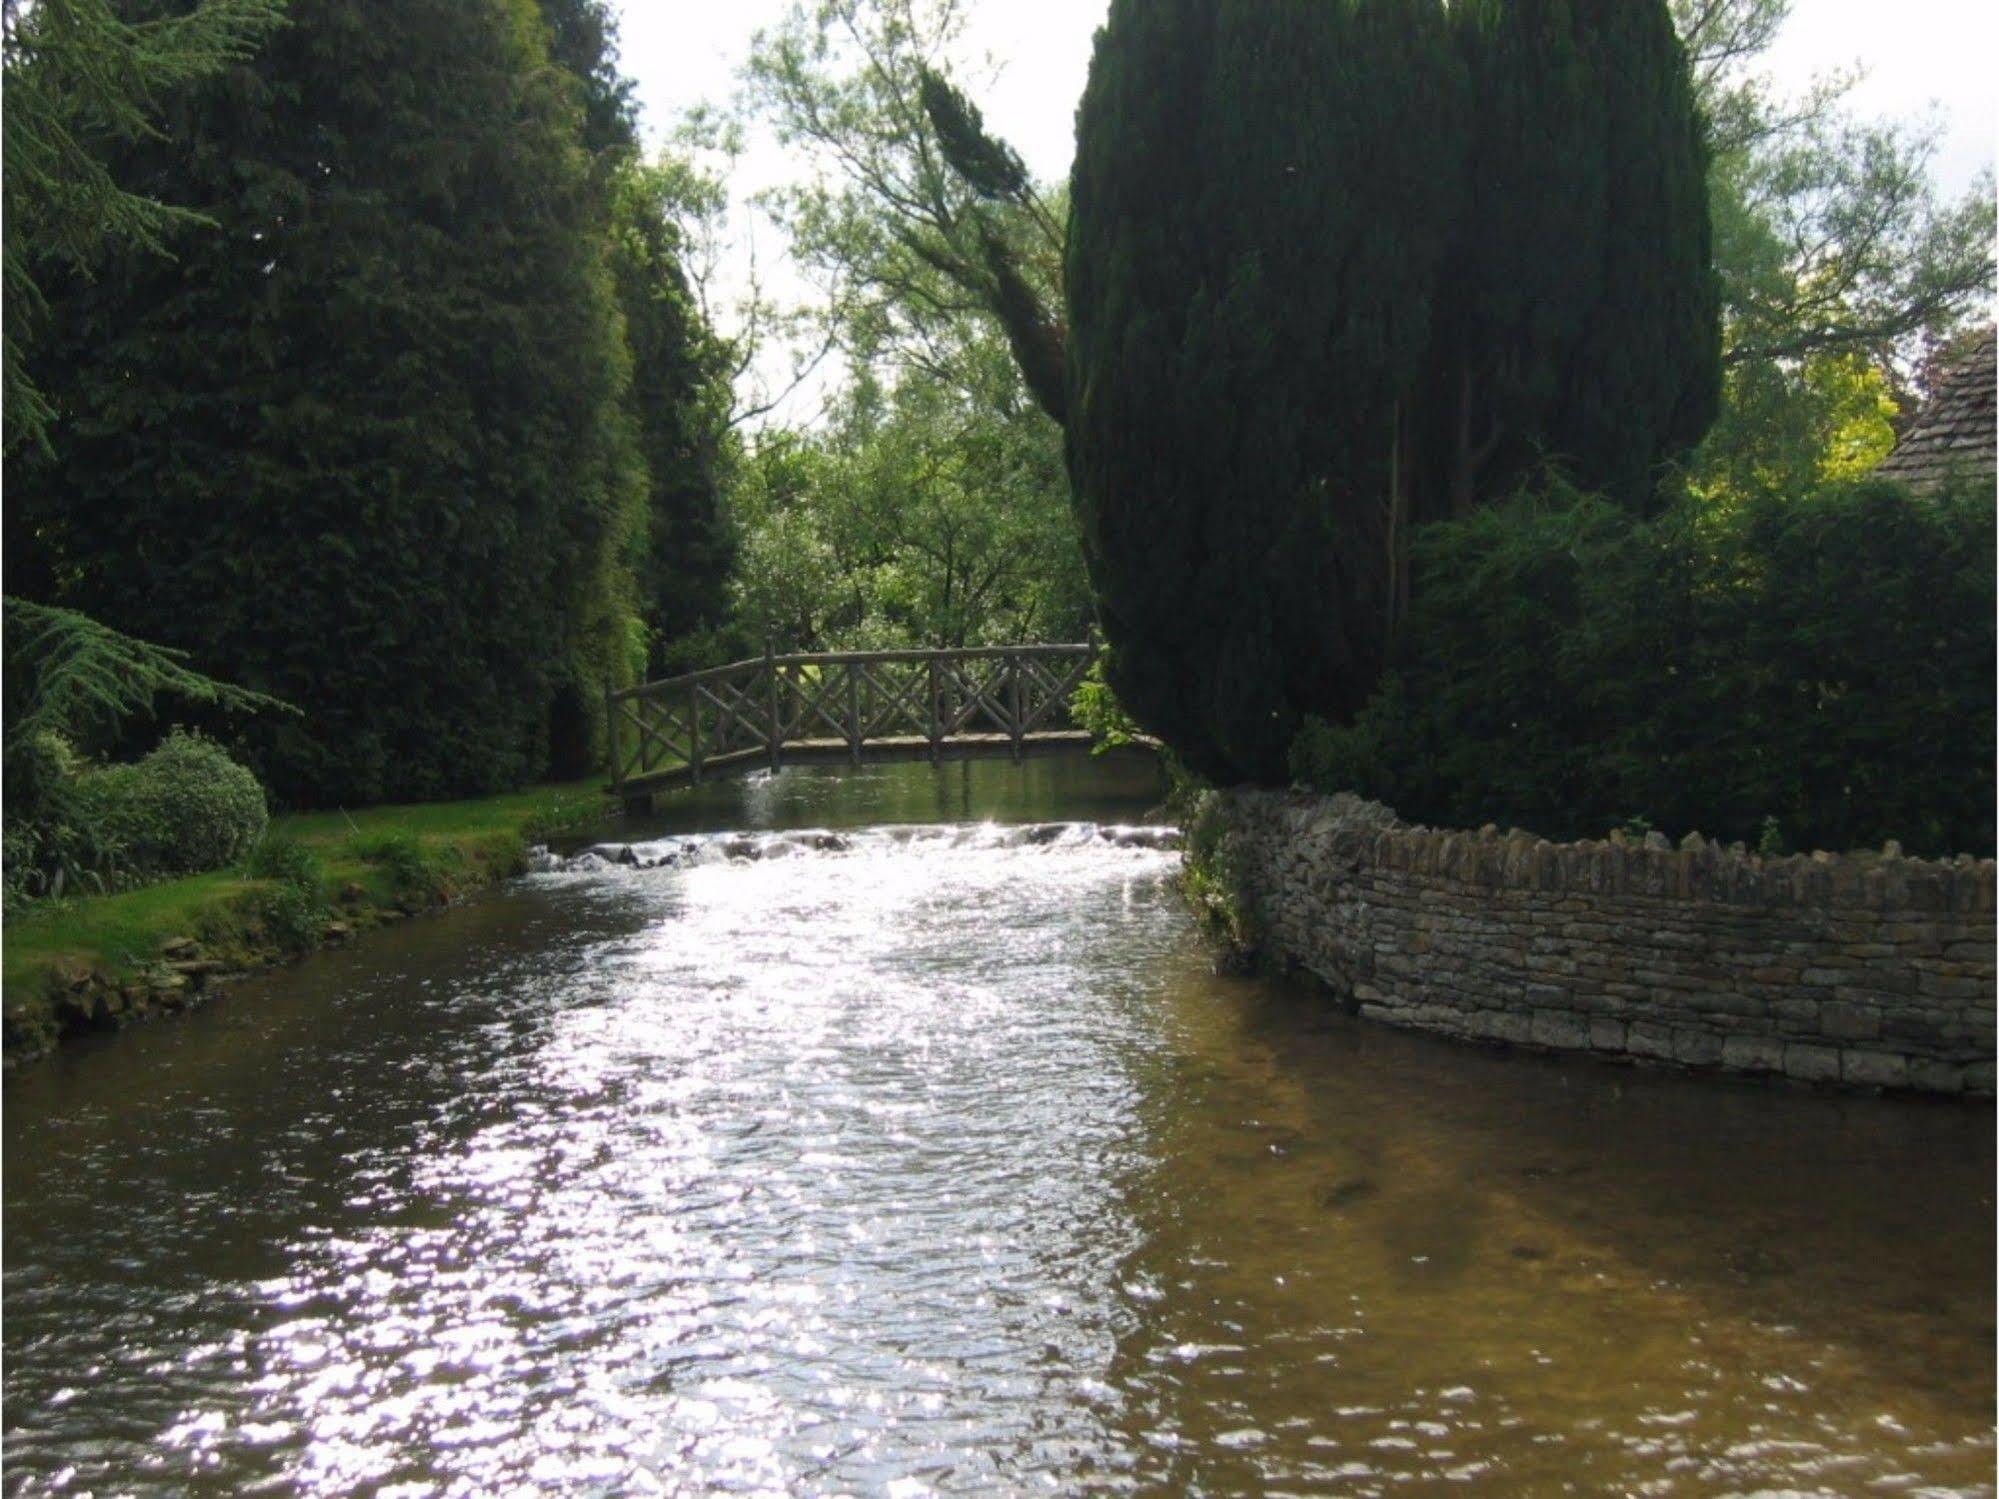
(1338, 268)
(1814, 670)
(680, 404)
(362, 445)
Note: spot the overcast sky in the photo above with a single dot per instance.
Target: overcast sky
(1918, 53)
(1921, 56)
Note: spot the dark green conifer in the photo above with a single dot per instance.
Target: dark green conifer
(680, 407)
(1261, 194)
(1338, 268)
(362, 446)
(1579, 320)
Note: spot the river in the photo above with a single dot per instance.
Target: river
(929, 1156)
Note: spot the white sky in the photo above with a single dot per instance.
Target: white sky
(1922, 58)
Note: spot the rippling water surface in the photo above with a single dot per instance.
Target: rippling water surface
(899, 1160)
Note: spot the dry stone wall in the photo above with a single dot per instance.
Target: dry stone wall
(1860, 969)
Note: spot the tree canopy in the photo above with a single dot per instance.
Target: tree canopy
(1315, 300)
(370, 445)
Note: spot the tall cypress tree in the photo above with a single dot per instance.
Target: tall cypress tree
(680, 406)
(678, 401)
(1338, 268)
(1261, 194)
(362, 446)
(1580, 321)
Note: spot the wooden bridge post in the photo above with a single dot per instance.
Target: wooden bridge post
(611, 741)
(854, 711)
(1015, 712)
(694, 731)
(936, 724)
(774, 728)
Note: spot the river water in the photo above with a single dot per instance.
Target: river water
(934, 1159)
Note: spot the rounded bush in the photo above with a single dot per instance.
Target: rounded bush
(185, 808)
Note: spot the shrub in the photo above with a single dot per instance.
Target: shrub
(288, 861)
(293, 916)
(1819, 664)
(414, 874)
(184, 808)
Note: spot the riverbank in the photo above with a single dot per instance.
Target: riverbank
(1861, 969)
(102, 962)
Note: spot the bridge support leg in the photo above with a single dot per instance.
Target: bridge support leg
(1014, 711)
(773, 730)
(854, 712)
(936, 723)
(694, 733)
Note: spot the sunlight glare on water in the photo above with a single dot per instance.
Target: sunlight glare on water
(933, 1159)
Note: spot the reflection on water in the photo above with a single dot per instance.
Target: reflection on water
(940, 1163)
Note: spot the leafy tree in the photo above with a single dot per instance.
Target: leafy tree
(1838, 261)
(365, 447)
(923, 220)
(930, 512)
(80, 76)
(679, 397)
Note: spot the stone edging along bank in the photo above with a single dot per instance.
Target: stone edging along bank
(1860, 969)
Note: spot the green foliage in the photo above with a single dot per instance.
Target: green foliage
(62, 855)
(1810, 667)
(1837, 258)
(416, 875)
(1095, 708)
(292, 916)
(1335, 270)
(933, 512)
(278, 856)
(72, 680)
(184, 808)
(680, 406)
(924, 219)
(294, 913)
(1214, 884)
(367, 446)
(81, 75)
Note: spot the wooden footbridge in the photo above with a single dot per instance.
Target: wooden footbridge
(845, 707)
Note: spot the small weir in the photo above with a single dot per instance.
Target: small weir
(892, 1134)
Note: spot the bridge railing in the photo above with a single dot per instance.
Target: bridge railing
(729, 716)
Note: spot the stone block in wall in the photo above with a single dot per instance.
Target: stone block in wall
(1934, 1076)
(1647, 1038)
(1874, 1069)
(1810, 1063)
(1797, 1017)
(1841, 1020)
(1606, 1034)
(1752, 1053)
(1560, 1029)
(1696, 1048)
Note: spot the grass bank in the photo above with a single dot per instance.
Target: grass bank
(100, 961)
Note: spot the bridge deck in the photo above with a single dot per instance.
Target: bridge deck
(897, 751)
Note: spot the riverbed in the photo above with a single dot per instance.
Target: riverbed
(888, 1132)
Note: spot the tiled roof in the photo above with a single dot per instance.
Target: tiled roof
(1957, 431)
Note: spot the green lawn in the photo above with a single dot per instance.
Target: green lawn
(467, 843)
